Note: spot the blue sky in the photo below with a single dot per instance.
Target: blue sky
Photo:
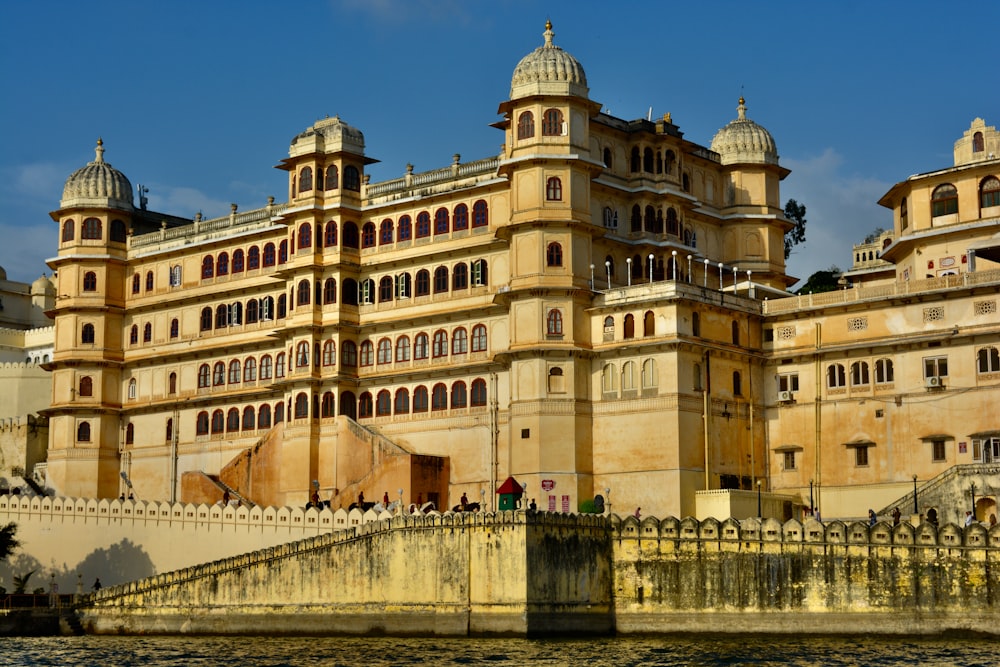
(199, 100)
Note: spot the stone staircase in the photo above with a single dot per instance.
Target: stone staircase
(950, 494)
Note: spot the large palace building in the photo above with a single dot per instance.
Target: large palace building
(599, 310)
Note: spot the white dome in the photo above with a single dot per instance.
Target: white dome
(744, 141)
(97, 184)
(548, 70)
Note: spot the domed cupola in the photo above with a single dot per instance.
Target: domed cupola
(743, 141)
(98, 184)
(329, 135)
(548, 70)
(43, 287)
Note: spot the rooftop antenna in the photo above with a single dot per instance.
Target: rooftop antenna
(143, 191)
(649, 114)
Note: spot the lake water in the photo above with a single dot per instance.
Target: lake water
(178, 651)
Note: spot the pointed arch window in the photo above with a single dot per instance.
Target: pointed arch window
(403, 349)
(238, 263)
(401, 403)
(526, 125)
(253, 258)
(404, 230)
(554, 255)
(989, 192)
(86, 386)
(478, 393)
(385, 232)
(222, 264)
(90, 282)
(554, 323)
(305, 236)
(91, 230)
(332, 178)
(368, 235)
(330, 234)
(479, 338)
(480, 214)
(461, 218)
(423, 224)
(83, 432)
(944, 200)
(420, 399)
(441, 223)
(207, 267)
(306, 179)
(553, 189)
(147, 333)
(552, 123)
(68, 230)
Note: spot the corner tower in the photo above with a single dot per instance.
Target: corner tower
(94, 217)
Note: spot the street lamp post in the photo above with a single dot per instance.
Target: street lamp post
(689, 270)
(812, 504)
(592, 277)
(915, 510)
(673, 255)
(720, 277)
(973, 500)
(628, 264)
(705, 281)
(650, 267)
(760, 515)
(607, 266)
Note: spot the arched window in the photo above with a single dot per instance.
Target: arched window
(86, 386)
(348, 355)
(835, 376)
(269, 255)
(988, 360)
(737, 384)
(944, 200)
(249, 418)
(386, 287)
(383, 403)
(461, 218)
(478, 393)
(609, 379)
(352, 178)
(207, 267)
(306, 179)
(686, 183)
(332, 178)
(459, 341)
(883, 371)
(147, 333)
(401, 404)
(736, 332)
(202, 423)
(170, 430)
(279, 365)
(480, 214)
(629, 326)
(978, 145)
(367, 291)
(554, 323)
(253, 311)
(526, 125)
(91, 230)
(384, 355)
(647, 160)
(87, 334)
(282, 252)
(695, 324)
(368, 235)
(423, 224)
(351, 237)
(385, 232)
(552, 123)
(553, 189)
(327, 406)
(135, 283)
(648, 374)
(250, 370)
(440, 279)
(330, 235)
(90, 282)
(636, 219)
(238, 261)
(222, 264)
(265, 367)
(305, 236)
(439, 397)
(302, 354)
(403, 348)
(403, 286)
(218, 374)
(83, 432)
(405, 229)
(118, 231)
(628, 376)
(420, 346)
(68, 230)
(989, 192)
(440, 346)
(282, 306)
(329, 353)
(133, 334)
(649, 324)
(423, 282)
(553, 255)
(420, 402)
(303, 292)
(301, 405)
(264, 416)
(234, 371)
(607, 159)
(348, 404)
(365, 405)
(221, 316)
(149, 281)
(203, 376)
(459, 396)
(218, 421)
(859, 373)
(206, 319)
(349, 292)
(279, 412)
(253, 258)
(441, 224)
(460, 276)
(479, 338)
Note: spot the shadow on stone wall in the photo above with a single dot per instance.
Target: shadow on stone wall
(116, 564)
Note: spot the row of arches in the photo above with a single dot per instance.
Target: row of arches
(328, 179)
(92, 229)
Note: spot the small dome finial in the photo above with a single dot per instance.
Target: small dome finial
(548, 33)
(741, 110)
(99, 151)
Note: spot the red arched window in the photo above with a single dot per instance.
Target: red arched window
(552, 123)
(553, 189)
(526, 125)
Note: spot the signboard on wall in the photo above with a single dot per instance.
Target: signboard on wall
(548, 484)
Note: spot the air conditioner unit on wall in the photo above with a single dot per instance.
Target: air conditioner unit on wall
(785, 397)
(934, 382)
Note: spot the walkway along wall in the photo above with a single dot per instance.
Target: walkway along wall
(451, 574)
(539, 573)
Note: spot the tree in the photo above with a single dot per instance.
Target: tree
(821, 281)
(796, 213)
(7, 541)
